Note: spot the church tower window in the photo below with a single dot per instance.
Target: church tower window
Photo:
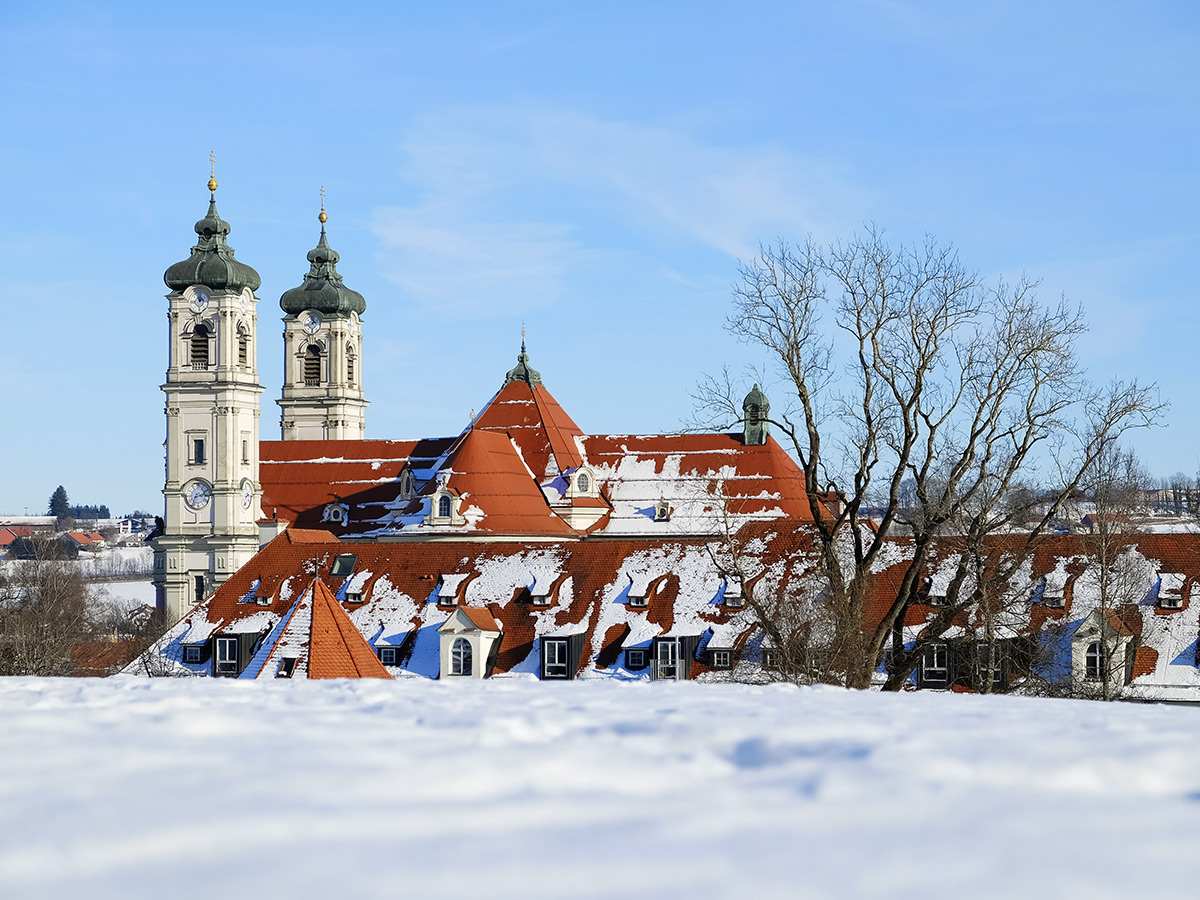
(199, 347)
(350, 368)
(312, 366)
(243, 347)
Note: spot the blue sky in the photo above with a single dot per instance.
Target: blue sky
(593, 172)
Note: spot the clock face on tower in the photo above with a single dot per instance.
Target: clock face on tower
(247, 495)
(197, 495)
(310, 322)
(200, 301)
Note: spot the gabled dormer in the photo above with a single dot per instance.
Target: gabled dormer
(444, 504)
(1171, 586)
(470, 642)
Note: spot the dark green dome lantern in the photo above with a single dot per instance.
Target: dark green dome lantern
(323, 289)
(212, 262)
(755, 408)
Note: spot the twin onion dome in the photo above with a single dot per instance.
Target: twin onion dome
(323, 289)
(212, 262)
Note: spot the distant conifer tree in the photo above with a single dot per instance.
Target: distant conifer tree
(60, 505)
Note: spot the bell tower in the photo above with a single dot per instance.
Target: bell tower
(212, 408)
(322, 352)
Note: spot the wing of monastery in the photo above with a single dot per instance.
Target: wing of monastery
(525, 546)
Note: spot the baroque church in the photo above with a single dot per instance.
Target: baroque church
(527, 547)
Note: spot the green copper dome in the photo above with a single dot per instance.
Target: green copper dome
(522, 371)
(211, 263)
(323, 289)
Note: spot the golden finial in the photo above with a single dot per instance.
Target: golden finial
(212, 172)
(322, 218)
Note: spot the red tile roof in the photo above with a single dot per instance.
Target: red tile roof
(490, 475)
(300, 477)
(541, 428)
(336, 648)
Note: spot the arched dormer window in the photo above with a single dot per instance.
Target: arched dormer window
(1094, 661)
(444, 507)
(583, 484)
(460, 657)
(407, 483)
(312, 366)
(199, 347)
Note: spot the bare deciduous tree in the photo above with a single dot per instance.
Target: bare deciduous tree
(43, 614)
(923, 381)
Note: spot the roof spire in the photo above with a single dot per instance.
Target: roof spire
(522, 371)
(212, 173)
(322, 218)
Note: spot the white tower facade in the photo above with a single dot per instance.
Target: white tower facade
(212, 490)
(322, 353)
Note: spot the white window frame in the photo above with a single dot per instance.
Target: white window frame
(639, 602)
(462, 658)
(554, 658)
(1093, 660)
(931, 672)
(722, 659)
(223, 664)
(192, 655)
(666, 659)
(641, 657)
(387, 656)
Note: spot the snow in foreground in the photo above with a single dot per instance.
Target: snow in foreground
(135, 788)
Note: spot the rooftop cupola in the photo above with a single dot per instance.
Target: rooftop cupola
(212, 263)
(323, 289)
(755, 408)
(522, 371)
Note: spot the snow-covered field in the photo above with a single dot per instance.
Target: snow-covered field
(517, 789)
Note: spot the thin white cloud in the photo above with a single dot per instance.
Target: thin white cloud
(514, 207)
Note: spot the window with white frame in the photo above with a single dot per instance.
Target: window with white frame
(1054, 589)
(733, 593)
(1093, 662)
(583, 484)
(635, 659)
(935, 665)
(721, 659)
(227, 656)
(554, 659)
(460, 657)
(387, 656)
(192, 654)
(444, 506)
(770, 658)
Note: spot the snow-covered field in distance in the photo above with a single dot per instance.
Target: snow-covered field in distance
(517, 789)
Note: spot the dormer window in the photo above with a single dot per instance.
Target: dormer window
(337, 513)
(443, 508)
(354, 596)
(1170, 591)
(448, 589)
(407, 484)
(733, 593)
(541, 600)
(662, 511)
(1054, 590)
(343, 565)
(1094, 661)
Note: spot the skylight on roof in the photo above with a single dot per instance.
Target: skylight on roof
(343, 565)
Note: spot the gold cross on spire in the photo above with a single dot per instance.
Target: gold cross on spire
(322, 218)
(212, 171)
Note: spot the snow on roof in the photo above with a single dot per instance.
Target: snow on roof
(448, 589)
